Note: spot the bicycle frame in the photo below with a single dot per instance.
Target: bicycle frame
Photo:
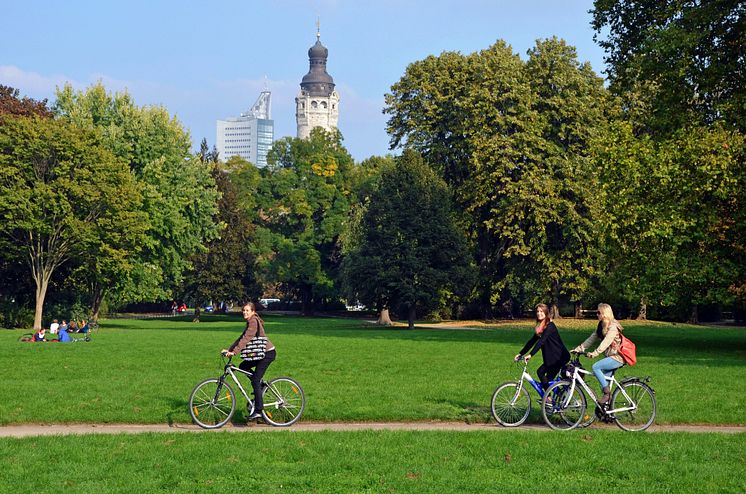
(230, 370)
(578, 378)
(525, 376)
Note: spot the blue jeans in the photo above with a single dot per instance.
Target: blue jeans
(602, 369)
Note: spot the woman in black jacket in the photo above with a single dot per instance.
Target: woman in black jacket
(547, 338)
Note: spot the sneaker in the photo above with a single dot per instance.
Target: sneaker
(255, 416)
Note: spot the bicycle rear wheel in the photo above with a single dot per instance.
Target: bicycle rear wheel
(642, 398)
(212, 403)
(563, 406)
(509, 406)
(284, 402)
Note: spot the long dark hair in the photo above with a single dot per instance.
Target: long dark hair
(540, 327)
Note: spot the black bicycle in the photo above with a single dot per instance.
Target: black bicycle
(213, 401)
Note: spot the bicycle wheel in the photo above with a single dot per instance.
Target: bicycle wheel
(642, 398)
(563, 407)
(509, 406)
(588, 415)
(284, 402)
(212, 403)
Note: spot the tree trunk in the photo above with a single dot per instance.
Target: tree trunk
(579, 310)
(98, 298)
(411, 313)
(554, 312)
(307, 305)
(694, 317)
(642, 315)
(41, 293)
(384, 319)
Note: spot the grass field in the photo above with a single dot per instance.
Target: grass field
(372, 462)
(143, 371)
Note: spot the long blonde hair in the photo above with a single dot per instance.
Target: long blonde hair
(607, 317)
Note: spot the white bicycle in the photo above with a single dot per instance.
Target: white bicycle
(632, 405)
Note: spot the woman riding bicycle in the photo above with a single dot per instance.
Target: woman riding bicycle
(547, 338)
(254, 327)
(609, 332)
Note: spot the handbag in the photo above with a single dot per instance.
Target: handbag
(256, 348)
(628, 351)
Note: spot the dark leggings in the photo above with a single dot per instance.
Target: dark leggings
(547, 372)
(258, 368)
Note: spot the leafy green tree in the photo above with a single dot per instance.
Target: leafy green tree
(179, 194)
(676, 217)
(62, 195)
(304, 201)
(681, 60)
(511, 138)
(225, 270)
(408, 251)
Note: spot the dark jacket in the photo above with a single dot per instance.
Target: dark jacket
(553, 351)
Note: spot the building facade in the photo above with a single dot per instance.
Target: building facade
(249, 135)
(317, 104)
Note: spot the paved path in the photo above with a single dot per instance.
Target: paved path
(26, 430)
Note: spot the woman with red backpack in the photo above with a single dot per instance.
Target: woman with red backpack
(609, 332)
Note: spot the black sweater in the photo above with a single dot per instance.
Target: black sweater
(553, 351)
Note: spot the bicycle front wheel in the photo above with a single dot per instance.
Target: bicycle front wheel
(641, 404)
(511, 404)
(284, 402)
(212, 403)
(563, 406)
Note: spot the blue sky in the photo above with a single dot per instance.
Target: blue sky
(209, 60)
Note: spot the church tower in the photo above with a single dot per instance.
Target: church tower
(317, 104)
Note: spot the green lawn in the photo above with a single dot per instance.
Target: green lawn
(143, 371)
(373, 462)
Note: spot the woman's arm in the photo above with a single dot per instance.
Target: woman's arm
(586, 344)
(551, 328)
(528, 345)
(606, 342)
(251, 330)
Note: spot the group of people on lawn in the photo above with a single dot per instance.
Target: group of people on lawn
(62, 330)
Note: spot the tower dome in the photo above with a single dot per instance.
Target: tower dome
(317, 82)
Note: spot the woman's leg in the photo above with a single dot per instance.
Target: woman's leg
(603, 368)
(542, 373)
(256, 379)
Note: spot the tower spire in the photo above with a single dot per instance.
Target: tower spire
(318, 29)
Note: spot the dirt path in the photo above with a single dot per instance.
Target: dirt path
(26, 430)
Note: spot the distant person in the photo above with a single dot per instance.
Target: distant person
(39, 335)
(608, 332)
(547, 338)
(174, 308)
(73, 328)
(254, 327)
(63, 325)
(54, 327)
(83, 326)
(64, 335)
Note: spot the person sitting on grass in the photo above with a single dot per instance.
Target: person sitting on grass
(64, 336)
(83, 326)
(39, 335)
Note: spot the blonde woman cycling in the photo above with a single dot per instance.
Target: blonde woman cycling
(608, 332)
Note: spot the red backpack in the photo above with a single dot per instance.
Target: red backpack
(627, 350)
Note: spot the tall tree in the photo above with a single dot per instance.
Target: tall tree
(225, 270)
(510, 138)
(304, 202)
(61, 194)
(408, 250)
(685, 60)
(179, 194)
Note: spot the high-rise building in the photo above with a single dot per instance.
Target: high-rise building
(317, 104)
(249, 135)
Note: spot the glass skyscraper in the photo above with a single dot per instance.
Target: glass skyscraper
(249, 135)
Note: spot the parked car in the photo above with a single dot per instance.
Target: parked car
(266, 302)
(208, 308)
